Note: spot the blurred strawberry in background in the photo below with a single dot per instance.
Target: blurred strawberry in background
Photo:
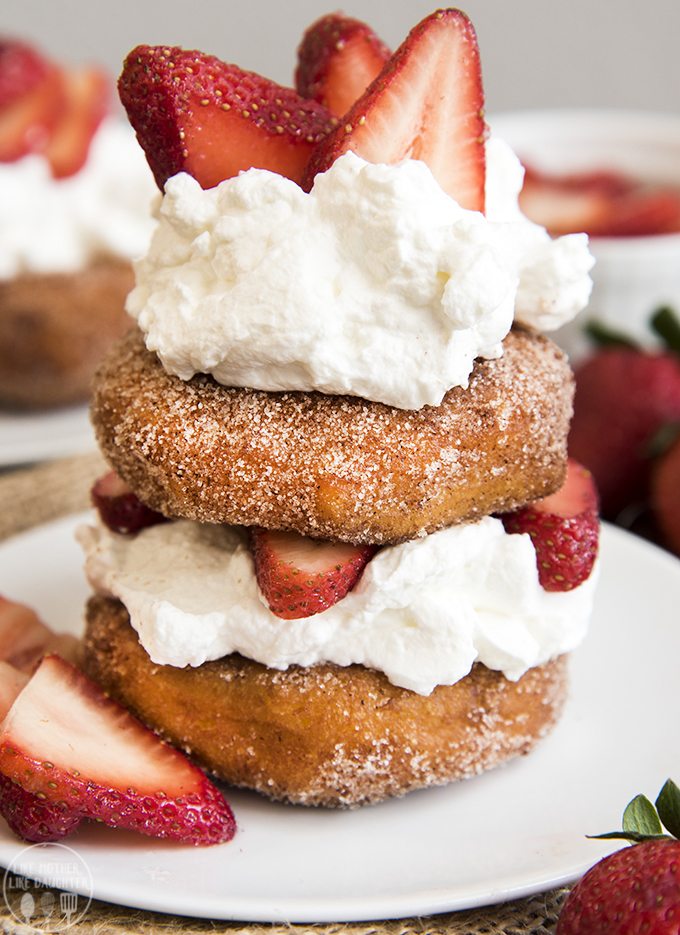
(626, 426)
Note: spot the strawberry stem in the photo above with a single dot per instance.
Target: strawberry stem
(643, 821)
(602, 336)
(665, 324)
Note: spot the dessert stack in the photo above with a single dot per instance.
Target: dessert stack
(341, 553)
(366, 567)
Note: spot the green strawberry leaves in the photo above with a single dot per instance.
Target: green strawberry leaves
(664, 323)
(668, 807)
(643, 821)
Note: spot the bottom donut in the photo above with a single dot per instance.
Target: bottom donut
(327, 735)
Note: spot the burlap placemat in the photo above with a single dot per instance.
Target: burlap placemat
(36, 495)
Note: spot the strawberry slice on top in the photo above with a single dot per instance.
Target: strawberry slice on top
(194, 113)
(564, 529)
(337, 60)
(67, 744)
(427, 103)
(299, 576)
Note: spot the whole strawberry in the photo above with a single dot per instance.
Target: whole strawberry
(624, 396)
(637, 889)
(665, 495)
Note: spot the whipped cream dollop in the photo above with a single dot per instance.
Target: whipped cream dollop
(375, 284)
(52, 225)
(423, 612)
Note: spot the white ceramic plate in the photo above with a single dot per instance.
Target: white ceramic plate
(509, 833)
(40, 436)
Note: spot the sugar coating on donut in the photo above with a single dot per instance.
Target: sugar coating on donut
(323, 735)
(337, 467)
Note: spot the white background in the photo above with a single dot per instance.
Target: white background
(536, 53)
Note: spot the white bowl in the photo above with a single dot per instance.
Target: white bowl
(633, 276)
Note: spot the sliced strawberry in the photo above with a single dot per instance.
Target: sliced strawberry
(337, 60)
(120, 509)
(22, 68)
(28, 816)
(87, 101)
(600, 203)
(643, 213)
(25, 639)
(564, 529)
(427, 104)
(194, 113)
(562, 206)
(299, 576)
(66, 742)
(28, 120)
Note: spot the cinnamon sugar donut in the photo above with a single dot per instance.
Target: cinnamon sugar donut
(337, 467)
(54, 330)
(325, 735)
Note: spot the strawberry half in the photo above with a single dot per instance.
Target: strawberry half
(74, 748)
(194, 113)
(28, 816)
(337, 60)
(299, 576)
(87, 101)
(427, 104)
(564, 529)
(25, 639)
(119, 508)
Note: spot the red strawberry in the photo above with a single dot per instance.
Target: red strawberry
(564, 529)
(665, 495)
(64, 741)
(425, 104)
(623, 397)
(22, 68)
(120, 509)
(194, 113)
(299, 576)
(87, 100)
(601, 203)
(636, 889)
(562, 205)
(27, 120)
(24, 638)
(642, 213)
(337, 60)
(30, 817)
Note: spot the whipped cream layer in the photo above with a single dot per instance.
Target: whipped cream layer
(376, 284)
(52, 225)
(423, 612)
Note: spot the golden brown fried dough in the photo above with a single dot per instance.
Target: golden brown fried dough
(337, 467)
(325, 735)
(54, 330)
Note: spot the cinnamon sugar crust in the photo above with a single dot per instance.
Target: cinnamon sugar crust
(337, 467)
(325, 735)
(54, 330)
